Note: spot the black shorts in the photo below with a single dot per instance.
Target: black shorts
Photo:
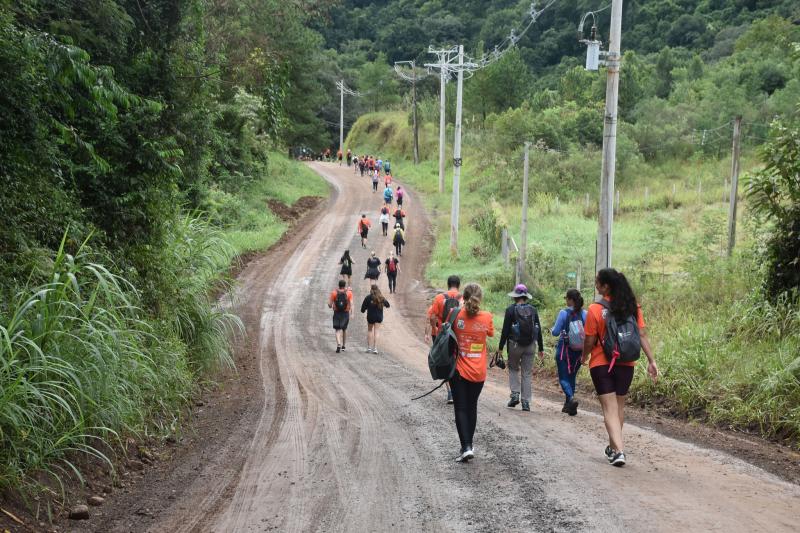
(346, 271)
(617, 381)
(364, 233)
(340, 320)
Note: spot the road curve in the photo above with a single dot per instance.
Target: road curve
(336, 444)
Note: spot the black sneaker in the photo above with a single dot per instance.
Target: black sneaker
(342, 347)
(338, 348)
(565, 409)
(609, 453)
(618, 459)
(526, 406)
(466, 455)
(572, 407)
(514, 401)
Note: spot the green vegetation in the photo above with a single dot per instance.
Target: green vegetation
(141, 142)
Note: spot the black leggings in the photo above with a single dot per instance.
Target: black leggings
(398, 248)
(465, 403)
(392, 280)
(385, 228)
(374, 186)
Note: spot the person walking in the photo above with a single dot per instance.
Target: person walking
(611, 377)
(438, 312)
(384, 218)
(472, 327)
(374, 181)
(392, 269)
(362, 165)
(522, 331)
(388, 193)
(363, 229)
(373, 304)
(341, 301)
(400, 194)
(339, 156)
(349, 156)
(347, 267)
(387, 180)
(569, 328)
(399, 216)
(387, 167)
(373, 268)
(398, 239)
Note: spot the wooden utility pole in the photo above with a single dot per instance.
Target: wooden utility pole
(523, 233)
(606, 219)
(457, 156)
(737, 130)
(414, 111)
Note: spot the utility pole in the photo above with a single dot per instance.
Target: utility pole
(413, 77)
(341, 116)
(523, 233)
(737, 130)
(414, 113)
(444, 57)
(604, 231)
(456, 156)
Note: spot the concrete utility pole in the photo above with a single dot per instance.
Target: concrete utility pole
(414, 113)
(457, 156)
(604, 231)
(442, 126)
(444, 57)
(341, 115)
(737, 130)
(523, 233)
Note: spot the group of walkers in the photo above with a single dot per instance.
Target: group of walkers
(374, 303)
(608, 336)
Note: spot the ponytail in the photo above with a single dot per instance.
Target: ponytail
(473, 294)
(623, 300)
(577, 299)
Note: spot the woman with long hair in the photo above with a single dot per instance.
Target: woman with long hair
(346, 271)
(568, 359)
(612, 378)
(471, 327)
(373, 304)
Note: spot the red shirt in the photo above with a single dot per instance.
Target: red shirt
(437, 308)
(332, 300)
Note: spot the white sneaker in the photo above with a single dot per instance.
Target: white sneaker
(466, 455)
(618, 459)
(368, 350)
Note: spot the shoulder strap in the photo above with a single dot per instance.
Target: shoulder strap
(452, 316)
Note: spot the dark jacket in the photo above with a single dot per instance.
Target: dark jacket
(505, 336)
(374, 311)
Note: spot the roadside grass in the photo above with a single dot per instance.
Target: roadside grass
(249, 224)
(85, 362)
(726, 356)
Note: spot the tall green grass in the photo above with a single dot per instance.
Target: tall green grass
(81, 363)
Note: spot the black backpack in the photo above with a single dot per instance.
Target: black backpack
(341, 301)
(622, 342)
(523, 330)
(449, 303)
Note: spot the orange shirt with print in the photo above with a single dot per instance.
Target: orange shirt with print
(437, 308)
(332, 300)
(596, 326)
(364, 223)
(471, 333)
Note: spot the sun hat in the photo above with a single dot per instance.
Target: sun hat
(520, 291)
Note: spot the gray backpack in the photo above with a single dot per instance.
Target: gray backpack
(622, 342)
(442, 356)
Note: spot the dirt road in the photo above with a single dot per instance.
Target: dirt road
(319, 441)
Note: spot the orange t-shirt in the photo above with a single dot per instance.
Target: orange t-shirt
(437, 308)
(363, 223)
(332, 300)
(471, 332)
(596, 326)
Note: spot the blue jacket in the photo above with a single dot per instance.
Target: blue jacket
(560, 328)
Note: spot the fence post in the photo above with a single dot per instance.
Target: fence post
(587, 201)
(647, 197)
(504, 246)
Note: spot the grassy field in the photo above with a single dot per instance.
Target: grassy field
(725, 355)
